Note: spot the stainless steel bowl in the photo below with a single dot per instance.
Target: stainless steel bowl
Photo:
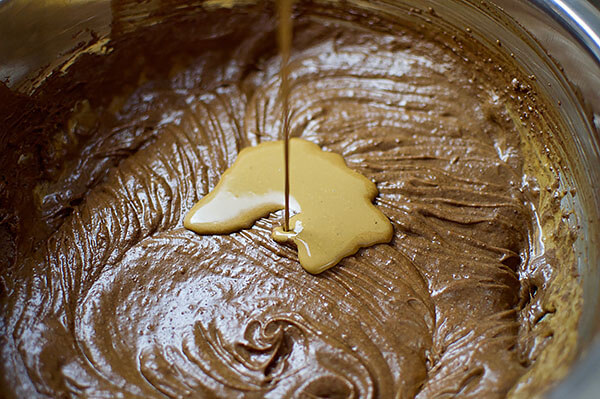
(570, 31)
(38, 36)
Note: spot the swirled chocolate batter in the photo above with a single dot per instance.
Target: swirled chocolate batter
(106, 294)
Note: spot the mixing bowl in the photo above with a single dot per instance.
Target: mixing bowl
(557, 41)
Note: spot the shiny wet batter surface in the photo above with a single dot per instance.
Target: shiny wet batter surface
(122, 301)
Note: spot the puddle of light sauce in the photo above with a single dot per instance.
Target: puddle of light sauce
(334, 214)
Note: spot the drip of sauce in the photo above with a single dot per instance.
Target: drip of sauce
(284, 39)
(334, 214)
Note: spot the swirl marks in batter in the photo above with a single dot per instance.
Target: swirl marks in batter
(123, 301)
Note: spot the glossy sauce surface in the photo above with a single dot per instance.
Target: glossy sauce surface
(334, 215)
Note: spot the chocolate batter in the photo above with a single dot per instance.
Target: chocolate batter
(106, 294)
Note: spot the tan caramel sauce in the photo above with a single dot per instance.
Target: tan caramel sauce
(334, 214)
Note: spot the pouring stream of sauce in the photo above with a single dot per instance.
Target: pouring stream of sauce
(334, 215)
(284, 32)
